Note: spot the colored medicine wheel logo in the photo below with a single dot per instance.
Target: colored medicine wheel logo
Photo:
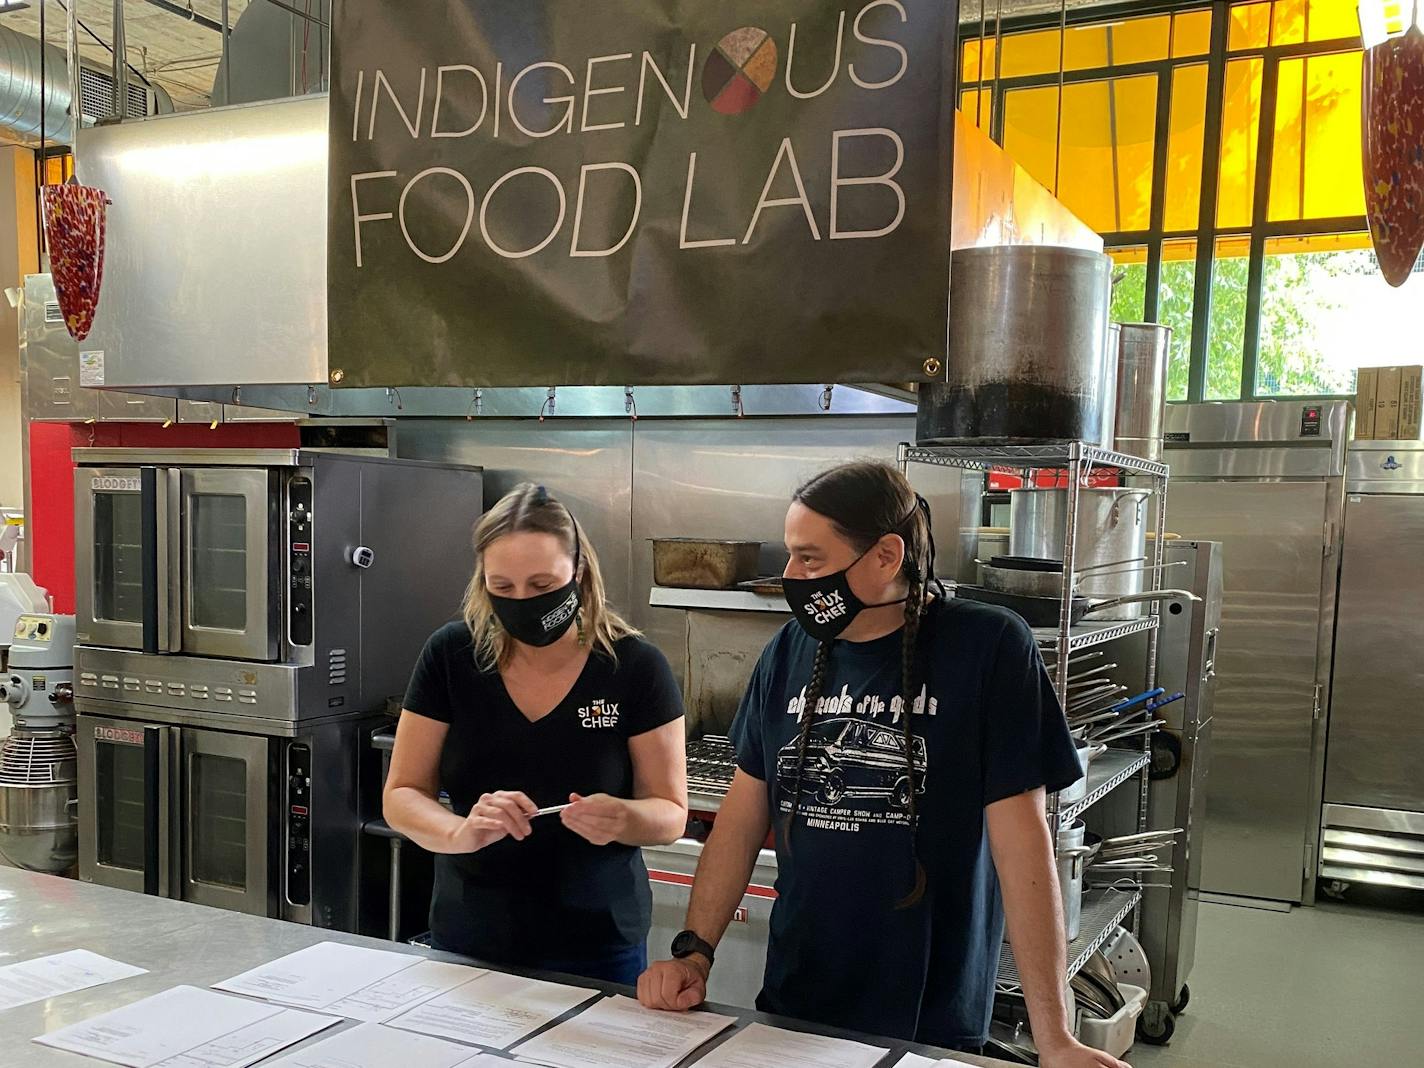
(739, 70)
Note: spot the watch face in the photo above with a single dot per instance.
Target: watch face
(683, 943)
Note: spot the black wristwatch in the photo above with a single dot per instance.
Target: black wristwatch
(687, 943)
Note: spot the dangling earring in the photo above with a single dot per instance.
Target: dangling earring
(582, 634)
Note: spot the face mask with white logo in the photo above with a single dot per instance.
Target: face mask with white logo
(825, 606)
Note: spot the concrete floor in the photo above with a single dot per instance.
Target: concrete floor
(1324, 987)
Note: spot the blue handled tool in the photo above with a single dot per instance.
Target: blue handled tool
(1129, 702)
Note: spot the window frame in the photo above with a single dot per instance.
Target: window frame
(1207, 233)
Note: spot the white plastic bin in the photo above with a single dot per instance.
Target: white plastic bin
(1115, 1035)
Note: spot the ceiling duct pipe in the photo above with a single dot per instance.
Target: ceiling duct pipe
(20, 103)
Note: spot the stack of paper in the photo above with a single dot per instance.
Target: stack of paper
(759, 1046)
(373, 985)
(620, 1033)
(59, 973)
(188, 1028)
(494, 1010)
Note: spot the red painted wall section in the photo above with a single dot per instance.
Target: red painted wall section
(51, 524)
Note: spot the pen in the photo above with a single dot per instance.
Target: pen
(551, 810)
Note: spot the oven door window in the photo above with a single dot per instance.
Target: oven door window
(219, 810)
(219, 579)
(119, 801)
(118, 557)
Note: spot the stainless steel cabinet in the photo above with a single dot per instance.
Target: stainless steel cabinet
(1267, 480)
(1376, 750)
(1259, 810)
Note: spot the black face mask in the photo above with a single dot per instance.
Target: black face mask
(826, 606)
(541, 620)
(544, 619)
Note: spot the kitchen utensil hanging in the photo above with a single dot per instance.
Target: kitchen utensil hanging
(75, 225)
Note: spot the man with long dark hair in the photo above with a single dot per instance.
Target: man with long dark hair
(900, 743)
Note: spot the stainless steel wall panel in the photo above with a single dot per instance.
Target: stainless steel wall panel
(1262, 811)
(1376, 749)
(734, 479)
(216, 246)
(588, 464)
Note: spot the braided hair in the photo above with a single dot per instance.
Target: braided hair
(864, 502)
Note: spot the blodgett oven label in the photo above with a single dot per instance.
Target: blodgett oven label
(639, 191)
(115, 484)
(118, 735)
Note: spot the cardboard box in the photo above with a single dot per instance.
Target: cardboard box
(1411, 379)
(1387, 404)
(1366, 389)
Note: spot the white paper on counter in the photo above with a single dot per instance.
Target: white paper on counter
(374, 1046)
(620, 1033)
(188, 1028)
(59, 973)
(914, 1060)
(760, 1046)
(495, 1010)
(320, 976)
(389, 997)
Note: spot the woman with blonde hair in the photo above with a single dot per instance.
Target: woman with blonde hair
(557, 731)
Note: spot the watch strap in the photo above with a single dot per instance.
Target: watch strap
(688, 943)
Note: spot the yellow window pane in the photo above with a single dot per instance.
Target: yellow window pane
(1030, 130)
(1240, 134)
(1316, 170)
(1250, 26)
(1191, 33)
(1030, 53)
(1086, 47)
(971, 72)
(1184, 152)
(975, 107)
(1140, 40)
(1295, 21)
(1108, 136)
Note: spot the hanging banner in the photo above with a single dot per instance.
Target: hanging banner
(552, 192)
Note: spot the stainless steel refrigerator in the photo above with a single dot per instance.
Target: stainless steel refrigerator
(1374, 786)
(1267, 480)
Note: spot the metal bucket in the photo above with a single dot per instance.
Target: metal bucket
(1108, 423)
(1028, 331)
(1141, 388)
(38, 828)
(1112, 527)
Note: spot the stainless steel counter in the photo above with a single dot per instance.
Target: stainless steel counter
(179, 943)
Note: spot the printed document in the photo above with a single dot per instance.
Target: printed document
(374, 1046)
(760, 1046)
(620, 1033)
(59, 973)
(495, 1010)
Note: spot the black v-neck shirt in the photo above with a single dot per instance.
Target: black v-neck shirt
(553, 896)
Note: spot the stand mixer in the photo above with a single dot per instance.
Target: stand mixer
(38, 827)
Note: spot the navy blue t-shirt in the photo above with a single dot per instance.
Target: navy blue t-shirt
(987, 725)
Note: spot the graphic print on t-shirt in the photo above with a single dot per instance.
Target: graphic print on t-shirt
(854, 774)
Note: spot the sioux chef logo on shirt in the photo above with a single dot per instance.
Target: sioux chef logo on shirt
(826, 607)
(598, 715)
